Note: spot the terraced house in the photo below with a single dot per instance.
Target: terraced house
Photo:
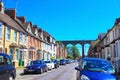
(109, 46)
(24, 41)
(12, 32)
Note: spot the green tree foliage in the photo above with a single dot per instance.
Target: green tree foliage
(69, 50)
(70, 56)
(73, 51)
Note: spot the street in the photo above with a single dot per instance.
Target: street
(66, 72)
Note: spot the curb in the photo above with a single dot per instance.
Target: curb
(20, 68)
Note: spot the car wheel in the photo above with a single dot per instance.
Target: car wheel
(25, 72)
(55, 66)
(41, 71)
(46, 69)
(11, 77)
(77, 77)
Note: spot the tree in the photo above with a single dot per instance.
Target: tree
(70, 56)
(73, 51)
(69, 50)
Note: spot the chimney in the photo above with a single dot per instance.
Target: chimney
(35, 26)
(117, 21)
(11, 13)
(22, 19)
(40, 29)
(1, 7)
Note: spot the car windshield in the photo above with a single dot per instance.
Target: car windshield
(62, 60)
(98, 65)
(47, 61)
(54, 60)
(35, 62)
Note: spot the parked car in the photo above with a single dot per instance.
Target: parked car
(56, 63)
(7, 70)
(68, 61)
(95, 69)
(37, 66)
(50, 64)
(62, 62)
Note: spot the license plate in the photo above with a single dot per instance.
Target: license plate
(30, 70)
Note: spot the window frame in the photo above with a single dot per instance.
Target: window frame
(20, 37)
(15, 36)
(8, 32)
(11, 54)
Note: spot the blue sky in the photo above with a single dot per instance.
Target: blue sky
(69, 19)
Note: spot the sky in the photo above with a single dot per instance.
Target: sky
(69, 19)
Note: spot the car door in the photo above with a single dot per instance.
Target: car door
(9, 67)
(44, 65)
(3, 70)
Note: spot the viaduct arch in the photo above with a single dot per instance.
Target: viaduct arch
(74, 42)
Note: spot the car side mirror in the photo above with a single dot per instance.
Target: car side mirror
(77, 68)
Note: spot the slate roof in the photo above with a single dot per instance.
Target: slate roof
(10, 22)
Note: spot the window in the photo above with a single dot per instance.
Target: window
(15, 36)
(115, 33)
(31, 55)
(20, 38)
(1, 29)
(114, 51)
(25, 41)
(7, 60)
(4, 60)
(8, 33)
(17, 54)
(11, 53)
(119, 31)
(43, 56)
(21, 55)
(117, 48)
(24, 56)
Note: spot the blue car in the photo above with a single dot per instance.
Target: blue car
(7, 70)
(62, 62)
(37, 66)
(95, 69)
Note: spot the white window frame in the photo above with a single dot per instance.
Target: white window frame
(8, 31)
(20, 38)
(15, 36)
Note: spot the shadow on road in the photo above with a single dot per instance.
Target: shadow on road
(22, 74)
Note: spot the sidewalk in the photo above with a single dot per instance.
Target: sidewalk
(19, 71)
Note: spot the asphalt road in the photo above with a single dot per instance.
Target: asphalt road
(66, 72)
